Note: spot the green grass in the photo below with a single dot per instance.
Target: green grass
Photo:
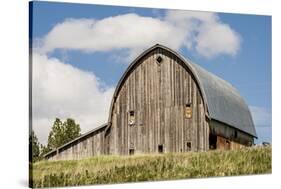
(118, 169)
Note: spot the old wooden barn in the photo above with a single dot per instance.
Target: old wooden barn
(165, 103)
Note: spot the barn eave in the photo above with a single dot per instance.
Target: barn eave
(76, 139)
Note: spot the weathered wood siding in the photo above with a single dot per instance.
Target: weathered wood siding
(158, 93)
(226, 144)
(229, 137)
(90, 145)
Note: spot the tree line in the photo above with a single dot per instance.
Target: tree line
(61, 133)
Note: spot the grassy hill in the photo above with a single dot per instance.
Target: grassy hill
(118, 169)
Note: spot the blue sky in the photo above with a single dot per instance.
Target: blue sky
(245, 63)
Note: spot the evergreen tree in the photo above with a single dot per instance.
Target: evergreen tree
(34, 147)
(62, 133)
(56, 135)
(72, 130)
(44, 150)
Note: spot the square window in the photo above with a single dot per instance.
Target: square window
(160, 149)
(131, 151)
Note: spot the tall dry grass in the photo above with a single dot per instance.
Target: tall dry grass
(118, 169)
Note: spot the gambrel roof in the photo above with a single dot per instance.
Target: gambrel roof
(222, 101)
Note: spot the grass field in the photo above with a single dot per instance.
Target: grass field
(118, 169)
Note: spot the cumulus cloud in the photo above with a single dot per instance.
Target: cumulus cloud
(61, 90)
(203, 32)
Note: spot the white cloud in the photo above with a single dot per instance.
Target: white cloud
(61, 90)
(205, 32)
(217, 39)
(200, 31)
(128, 31)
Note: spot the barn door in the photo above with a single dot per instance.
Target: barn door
(212, 141)
(227, 145)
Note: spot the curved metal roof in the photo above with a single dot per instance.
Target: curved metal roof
(222, 100)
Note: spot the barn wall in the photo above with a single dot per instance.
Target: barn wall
(158, 93)
(226, 144)
(90, 145)
(226, 136)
